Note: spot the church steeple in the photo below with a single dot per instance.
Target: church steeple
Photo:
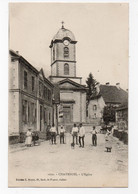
(63, 53)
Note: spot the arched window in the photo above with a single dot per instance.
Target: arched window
(66, 69)
(94, 107)
(66, 52)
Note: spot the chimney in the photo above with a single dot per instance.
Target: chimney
(118, 85)
(107, 83)
(17, 52)
(127, 90)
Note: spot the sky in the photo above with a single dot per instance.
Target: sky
(101, 30)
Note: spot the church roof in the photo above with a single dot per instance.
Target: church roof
(62, 33)
(113, 94)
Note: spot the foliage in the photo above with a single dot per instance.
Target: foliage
(109, 114)
(91, 83)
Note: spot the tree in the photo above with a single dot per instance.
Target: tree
(91, 83)
(109, 114)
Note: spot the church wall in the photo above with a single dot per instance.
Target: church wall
(54, 70)
(66, 95)
(59, 47)
(61, 69)
(79, 107)
(76, 107)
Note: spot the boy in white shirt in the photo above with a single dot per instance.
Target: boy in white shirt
(94, 136)
(53, 134)
(81, 135)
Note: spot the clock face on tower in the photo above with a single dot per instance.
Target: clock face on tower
(66, 42)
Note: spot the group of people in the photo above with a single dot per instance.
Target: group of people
(31, 137)
(78, 135)
(79, 132)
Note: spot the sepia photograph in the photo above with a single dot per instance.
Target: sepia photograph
(68, 95)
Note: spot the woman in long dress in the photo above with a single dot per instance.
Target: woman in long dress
(108, 142)
(28, 138)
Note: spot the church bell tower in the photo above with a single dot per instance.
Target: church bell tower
(63, 54)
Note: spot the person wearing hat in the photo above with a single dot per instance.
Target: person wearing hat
(62, 134)
(28, 141)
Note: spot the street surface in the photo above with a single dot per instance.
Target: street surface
(59, 165)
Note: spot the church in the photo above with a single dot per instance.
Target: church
(72, 107)
(37, 102)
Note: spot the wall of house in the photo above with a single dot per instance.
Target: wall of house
(95, 114)
(122, 119)
(25, 102)
(13, 74)
(30, 73)
(28, 113)
(13, 113)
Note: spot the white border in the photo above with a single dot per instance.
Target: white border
(133, 106)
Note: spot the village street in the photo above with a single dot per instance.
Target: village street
(60, 165)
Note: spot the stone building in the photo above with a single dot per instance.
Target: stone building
(108, 95)
(30, 97)
(122, 116)
(63, 72)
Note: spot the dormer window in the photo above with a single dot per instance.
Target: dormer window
(66, 69)
(66, 52)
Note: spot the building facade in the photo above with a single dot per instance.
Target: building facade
(108, 95)
(122, 117)
(30, 97)
(72, 108)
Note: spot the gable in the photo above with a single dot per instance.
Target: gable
(69, 84)
(41, 74)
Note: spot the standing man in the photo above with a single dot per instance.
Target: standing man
(62, 134)
(81, 135)
(94, 136)
(53, 134)
(75, 133)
